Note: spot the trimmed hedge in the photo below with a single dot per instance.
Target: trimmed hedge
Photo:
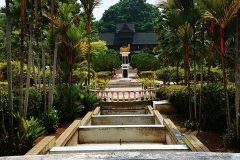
(169, 74)
(103, 75)
(147, 74)
(213, 105)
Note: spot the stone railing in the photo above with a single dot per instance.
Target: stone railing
(125, 96)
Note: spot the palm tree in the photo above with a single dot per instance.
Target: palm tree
(43, 56)
(167, 40)
(53, 51)
(185, 33)
(23, 23)
(29, 65)
(70, 31)
(179, 17)
(88, 6)
(223, 11)
(237, 76)
(9, 69)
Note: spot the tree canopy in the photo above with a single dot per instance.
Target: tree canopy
(138, 12)
(106, 62)
(140, 60)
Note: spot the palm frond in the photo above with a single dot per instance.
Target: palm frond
(223, 11)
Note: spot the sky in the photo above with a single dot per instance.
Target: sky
(97, 12)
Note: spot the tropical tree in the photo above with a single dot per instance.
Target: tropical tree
(98, 47)
(2, 33)
(222, 11)
(170, 53)
(177, 16)
(106, 62)
(140, 60)
(69, 28)
(9, 68)
(88, 6)
(138, 12)
(23, 31)
(237, 76)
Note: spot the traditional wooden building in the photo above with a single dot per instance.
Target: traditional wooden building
(125, 34)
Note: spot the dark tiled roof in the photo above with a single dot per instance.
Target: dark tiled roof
(145, 38)
(110, 38)
(138, 38)
(119, 26)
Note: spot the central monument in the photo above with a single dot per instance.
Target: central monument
(124, 51)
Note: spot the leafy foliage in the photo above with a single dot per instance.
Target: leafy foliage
(67, 101)
(138, 12)
(106, 62)
(28, 131)
(168, 74)
(98, 47)
(140, 60)
(212, 98)
(50, 120)
(88, 100)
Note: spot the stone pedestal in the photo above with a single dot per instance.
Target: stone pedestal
(125, 66)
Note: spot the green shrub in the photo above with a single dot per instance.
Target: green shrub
(28, 131)
(15, 72)
(177, 95)
(88, 100)
(214, 76)
(147, 74)
(169, 74)
(103, 75)
(213, 105)
(67, 101)
(50, 120)
(106, 62)
(145, 62)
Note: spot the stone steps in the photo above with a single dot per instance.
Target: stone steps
(149, 147)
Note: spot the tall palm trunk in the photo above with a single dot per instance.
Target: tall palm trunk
(43, 59)
(211, 48)
(29, 63)
(89, 47)
(23, 4)
(53, 52)
(2, 124)
(34, 72)
(188, 81)
(195, 79)
(177, 77)
(224, 79)
(9, 72)
(52, 84)
(201, 85)
(237, 76)
(37, 40)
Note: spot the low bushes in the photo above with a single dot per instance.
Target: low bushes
(103, 75)
(169, 74)
(145, 62)
(67, 101)
(147, 74)
(213, 109)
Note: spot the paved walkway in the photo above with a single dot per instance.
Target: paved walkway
(120, 88)
(116, 84)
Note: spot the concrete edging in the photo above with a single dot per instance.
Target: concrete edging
(194, 144)
(67, 135)
(43, 146)
(86, 119)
